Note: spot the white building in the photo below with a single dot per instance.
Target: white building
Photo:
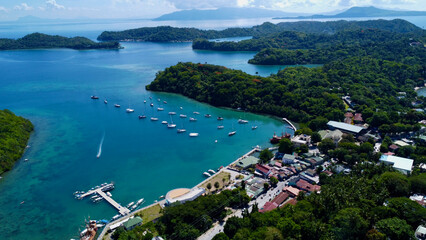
(183, 195)
(401, 164)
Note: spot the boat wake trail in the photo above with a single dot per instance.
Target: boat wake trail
(100, 146)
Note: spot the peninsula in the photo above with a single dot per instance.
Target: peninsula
(40, 40)
(14, 134)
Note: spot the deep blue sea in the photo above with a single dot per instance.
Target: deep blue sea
(145, 159)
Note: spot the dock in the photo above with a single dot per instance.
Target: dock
(291, 124)
(122, 210)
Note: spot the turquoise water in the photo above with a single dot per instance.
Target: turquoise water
(145, 159)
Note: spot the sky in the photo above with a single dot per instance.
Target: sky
(145, 9)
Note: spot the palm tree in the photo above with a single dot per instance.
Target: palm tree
(216, 185)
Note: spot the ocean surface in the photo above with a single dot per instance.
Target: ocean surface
(144, 159)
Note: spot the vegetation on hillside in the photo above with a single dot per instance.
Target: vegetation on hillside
(39, 40)
(14, 134)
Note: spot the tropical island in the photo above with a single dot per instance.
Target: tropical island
(40, 40)
(14, 134)
(174, 34)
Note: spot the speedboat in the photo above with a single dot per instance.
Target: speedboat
(182, 116)
(160, 109)
(164, 102)
(94, 97)
(154, 119)
(161, 197)
(158, 99)
(219, 118)
(181, 130)
(211, 171)
(192, 119)
(144, 101)
(232, 133)
(207, 115)
(196, 113)
(164, 122)
(207, 174)
(193, 134)
(151, 104)
(171, 125)
(139, 201)
(141, 116)
(130, 204)
(116, 217)
(105, 101)
(172, 113)
(220, 127)
(242, 121)
(130, 110)
(253, 127)
(117, 105)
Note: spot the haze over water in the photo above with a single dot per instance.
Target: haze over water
(145, 159)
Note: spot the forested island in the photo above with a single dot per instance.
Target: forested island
(40, 40)
(14, 134)
(174, 34)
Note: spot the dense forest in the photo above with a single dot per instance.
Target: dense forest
(14, 134)
(173, 34)
(304, 94)
(39, 40)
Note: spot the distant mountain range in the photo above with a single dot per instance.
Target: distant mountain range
(223, 14)
(358, 12)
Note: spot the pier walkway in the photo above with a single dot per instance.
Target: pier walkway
(291, 124)
(122, 210)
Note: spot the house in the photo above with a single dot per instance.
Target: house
(344, 127)
(300, 140)
(358, 118)
(288, 158)
(420, 232)
(263, 170)
(292, 201)
(247, 162)
(311, 172)
(401, 143)
(401, 164)
(393, 147)
(132, 223)
(276, 202)
(335, 135)
(292, 191)
(304, 185)
(308, 178)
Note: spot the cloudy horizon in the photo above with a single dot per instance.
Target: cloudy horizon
(11, 10)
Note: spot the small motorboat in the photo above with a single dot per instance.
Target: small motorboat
(159, 100)
(154, 119)
(207, 115)
(151, 104)
(253, 127)
(220, 127)
(144, 101)
(139, 201)
(211, 171)
(191, 119)
(206, 174)
(242, 121)
(94, 97)
(26, 160)
(193, 134)
(160, 109)
(196, 113)
(164, 102)
(130, 110)
(164, 122)
(172, 113)
(182, 116)
(232, 133)
(219, 118)
(105, 101)
(141, 116)
(171, 125)
(181, 130)
(117, 105)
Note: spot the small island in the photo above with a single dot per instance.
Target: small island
(14, 134)
(40, 40)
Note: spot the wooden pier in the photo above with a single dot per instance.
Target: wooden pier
(122, 210)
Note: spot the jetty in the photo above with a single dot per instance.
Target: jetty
(291, 124)
(101, 192)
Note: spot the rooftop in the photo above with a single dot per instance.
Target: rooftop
(247, 161)
(345, 126)
(398, 162)
(289, 156)
(132, 222)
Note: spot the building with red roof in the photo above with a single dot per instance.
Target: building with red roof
(305, 185)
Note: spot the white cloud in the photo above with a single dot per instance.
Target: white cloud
(3, 9)
(52, 4)
(244, 3)
(23, 7)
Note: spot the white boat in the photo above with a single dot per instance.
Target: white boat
(117, 105)
(130, 204)
(144, 101)
(160, 109)
(207, 174)
(130, 110)
(253, 127)
(242, 121)
(192, 119)
(220, 127)
(164, 122)
(211, 171)
(139, 201)
(196, 113)
(141, 116)
(151, 104)
(105, 101)
(108, 194)
(164, 102)
(193, 134)
(219, 118)
(116, 217)
(232, 133)
(172, 113)
(207, 115)
(161, 197)
(181, 130)
(182, 116)
(154, 119)
(171, 125)
(158, 99)
(133, 207)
